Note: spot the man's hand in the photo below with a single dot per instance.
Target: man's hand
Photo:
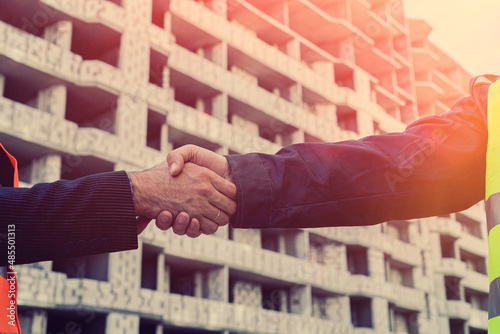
(205, 195)
(176, 160)
(200, 156)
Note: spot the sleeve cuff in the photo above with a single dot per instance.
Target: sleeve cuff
(255, 192)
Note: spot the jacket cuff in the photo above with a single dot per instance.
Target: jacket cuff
(255, 192)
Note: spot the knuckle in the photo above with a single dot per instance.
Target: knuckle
(210, 228)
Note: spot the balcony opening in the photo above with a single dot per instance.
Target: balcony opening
(308, 138)
(327, 252)
(270, 240)
(192, 93)
(344, 76)
(469, 225)
(94, 41)
(21, 90)
(457, 326)
(92, 107)
(80, 321)
(477, 331)
(398, 273)
(319, 307)
(357, 260)
(447, 246)
(347, 118)
(245, 292)
(275, 298)
(399, 230)
(92, 267)
(477, 299)
(157, 68)
(149, 267)
(361, 312)
(377, 130)
(182, 281)
(452, 287)
(160, 8)
(75, 166)
(402, 320)
(156, 121)
(147, 326)
(474, 262)
(30, 16)
(193, 278)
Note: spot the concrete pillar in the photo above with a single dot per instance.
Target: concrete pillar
(295, 94)
(292, 49)
(376, 264)
(362, 84)
(296, 137)
(335, 255)
(380, 320)
(160, 280)
(296, 243)
(217, 284)
(134, 61)
(139, 10)
(200, 105)
(217, 53)
(220, 106)
(198, 284)
(338, 310)
(2, 85)
(33, 322)
(365, 123)
(45, 169)
(301, 300)
(60, 34)
(166, 279)
(165, 145)
(53, 100)
(122, 323)
(131, 121)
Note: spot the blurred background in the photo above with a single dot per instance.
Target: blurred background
(91, 86)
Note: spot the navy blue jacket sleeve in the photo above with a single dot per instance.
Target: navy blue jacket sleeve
(91, 215)
(436, 166)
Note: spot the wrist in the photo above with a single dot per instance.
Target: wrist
(135, 179)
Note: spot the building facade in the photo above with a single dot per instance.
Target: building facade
(93, 86)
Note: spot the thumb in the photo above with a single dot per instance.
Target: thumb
(177, 157)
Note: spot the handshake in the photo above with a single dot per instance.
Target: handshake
(193, 192)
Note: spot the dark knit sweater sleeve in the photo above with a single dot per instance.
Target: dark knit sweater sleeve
(90, 215)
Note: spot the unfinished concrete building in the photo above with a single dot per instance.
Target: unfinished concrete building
(91, 86)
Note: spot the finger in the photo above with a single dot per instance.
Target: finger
(224, 186)
(164, 220)
(227, 205)
(220, 219)
(207, 226)
(193, 229)
(142, 223)
(181, 223)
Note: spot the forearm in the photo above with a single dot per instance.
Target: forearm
(436, 166)
(90, 215)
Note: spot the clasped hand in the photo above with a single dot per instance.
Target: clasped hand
(193, 192)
